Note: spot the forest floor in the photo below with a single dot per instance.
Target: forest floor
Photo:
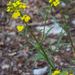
(12, 58)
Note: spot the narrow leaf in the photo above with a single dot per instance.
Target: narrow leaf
(41, 14)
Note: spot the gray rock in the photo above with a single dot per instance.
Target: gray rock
(73, 22)
(61, 63)
(41, 71)
(68, 49)
(63, 5)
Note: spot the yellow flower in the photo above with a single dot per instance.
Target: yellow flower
(22, 18)
(20, 28)
(56, 72)
(14, 4)
(27, 19)
(50, 1)
(8, 9)
(9, 3)
(16, 14)
(18, 2)
(55, 3)
(71, 74)
(23, 5)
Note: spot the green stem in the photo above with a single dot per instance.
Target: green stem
(67, 30)
(46, 57)
(44, 26)
(40, 47)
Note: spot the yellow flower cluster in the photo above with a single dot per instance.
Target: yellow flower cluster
(20, 28)
(60, 73)
(16, 6)
(56, 72)
(16, 14)
(26, 18)
(55, 3)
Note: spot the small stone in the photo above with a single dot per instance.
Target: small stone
(8, 39)
(13, 24)
(14, 69)
(19, 65)
(63, 5)
(68, 49)
(12, 33)
(2, 73)
(12, 54)
(73, 22)
(41, 71)
(5, 66)
(1, 43)
(61, 63)
(25, 73)
(20, 71)
(66, 16)
(53, 47)
(12, 63)
(0, 53)
(58, 15)
(65, 64)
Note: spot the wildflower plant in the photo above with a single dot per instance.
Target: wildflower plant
(17, 8)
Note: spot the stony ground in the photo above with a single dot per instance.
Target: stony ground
(12, 58)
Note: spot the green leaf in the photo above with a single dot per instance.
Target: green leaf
(34, 62)
(71, 71)
(48, 7)
(54, 18)
(5, 9)
(59, 40)
(32, 49)
(19, 34)
(41, 14)
(39, 31)
(24, 31)
(50, 44)
(64, 44)
(70, 10)
(46, 34)
(24, 46)
(31, 43)
(36, 57)
(50, 71)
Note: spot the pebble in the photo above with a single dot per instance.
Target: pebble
(8, 39)
(25, 73)
(12, 54)
(14, 69)
(0, 53)
(73, 22)
(11, 33)
(13, 24)
(56, 30)
(68, 49)
(41, 71)
(12, 63)
(2, 73)
(61, 63)
(63, 5)
(58, 16)
(5, 66)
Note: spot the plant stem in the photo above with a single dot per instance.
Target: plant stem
(40, 47)
(45, 56)
(44, 26)
(67, 29)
